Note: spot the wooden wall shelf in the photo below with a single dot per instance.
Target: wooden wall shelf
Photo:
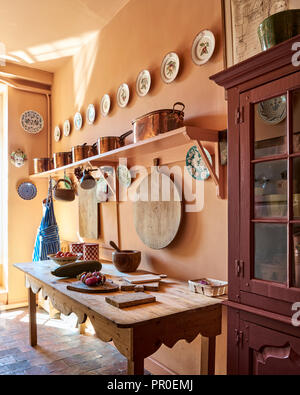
(154, 145)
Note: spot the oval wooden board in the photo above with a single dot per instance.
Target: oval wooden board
(157, 219)
(81, 287)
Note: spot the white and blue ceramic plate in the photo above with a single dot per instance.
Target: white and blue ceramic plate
(78, 121)
(196, 165)
(273, 111)
(32, 122)
(27, 190)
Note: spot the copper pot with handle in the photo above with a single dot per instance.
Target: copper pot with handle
(156, 122)
(42, 164)
(80, 152)
(62, 159)
(108, 143)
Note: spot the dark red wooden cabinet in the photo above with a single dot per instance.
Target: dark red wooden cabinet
(263, 96)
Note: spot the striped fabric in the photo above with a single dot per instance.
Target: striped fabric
(47, 239)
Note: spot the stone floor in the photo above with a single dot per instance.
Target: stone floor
(61, 349)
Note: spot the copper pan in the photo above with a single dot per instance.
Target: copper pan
(62, 159)
(156, 122)
(80, 152)
(108, 143)
(42, 164)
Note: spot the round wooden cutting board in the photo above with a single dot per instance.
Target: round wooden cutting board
(79, 286)
(157, 210)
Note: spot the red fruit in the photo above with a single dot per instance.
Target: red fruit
(91, 281)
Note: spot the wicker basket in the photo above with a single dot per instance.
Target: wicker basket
(213, 288)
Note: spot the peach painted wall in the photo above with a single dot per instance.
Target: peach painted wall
(138, 38)
(24, 217)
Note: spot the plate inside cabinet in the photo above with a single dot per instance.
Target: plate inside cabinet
(27, 190)
(196, 165)
(169, 67)
(105, 105)
(78, 121)
(123, 95)
(67, 128)
(32, 122)
(203, 47)
(57, 133)
(91, 114)
(273, 111)
(143, 83)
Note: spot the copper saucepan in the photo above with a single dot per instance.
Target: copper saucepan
(156, 122)
(42, 164)
(80, 152)
(108, 143)
(62, 159)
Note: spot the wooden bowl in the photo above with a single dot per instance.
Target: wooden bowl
(64, 260)
(126, 261)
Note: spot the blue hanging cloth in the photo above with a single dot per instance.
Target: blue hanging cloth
(47, 239)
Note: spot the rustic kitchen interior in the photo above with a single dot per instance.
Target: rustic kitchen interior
(150, 192)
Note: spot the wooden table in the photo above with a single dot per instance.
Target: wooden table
(139, 331)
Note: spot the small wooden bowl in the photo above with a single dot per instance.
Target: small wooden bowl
(126, 261)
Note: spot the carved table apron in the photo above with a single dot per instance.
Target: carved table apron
(138, 331)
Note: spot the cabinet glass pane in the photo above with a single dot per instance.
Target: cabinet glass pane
(270, 189)
(270, 252)
(270, 127)
(296, 188)
(296, 120)
(296, 265)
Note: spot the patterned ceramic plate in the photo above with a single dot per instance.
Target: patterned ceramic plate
(67, 128)
(91, 114)
(78, 121)
(196, 165)
(169, 67)
(32, 122)
(27, 190)
(124, 176)
(273, 111)
(57, 133)
(105, 105)
(203, 47)
(123, 95)
(143, 83)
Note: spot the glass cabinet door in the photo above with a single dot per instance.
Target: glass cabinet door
(270, 192)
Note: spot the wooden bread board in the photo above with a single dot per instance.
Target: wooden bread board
(145, 278)
(129, 299)
(79, 286)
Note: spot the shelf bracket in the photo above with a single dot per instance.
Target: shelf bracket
(217, 177)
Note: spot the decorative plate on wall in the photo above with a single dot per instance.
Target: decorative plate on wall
(123, 95)
(273, 111)
(105, 105)
(32, 122)
(143, 83)
(203, 47)
(90, 114)
(67, 128)
(27, 190)
(169, 67)
(78, 121)
(196, 165)
(124, 176)
(57, 133)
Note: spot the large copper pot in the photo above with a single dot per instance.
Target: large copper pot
(156, 122)
(80, 152)
(62, 159)
(108, 143)
(42, 164)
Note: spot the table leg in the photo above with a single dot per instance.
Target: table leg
(32, 318)
(208, 351)
(135, 367)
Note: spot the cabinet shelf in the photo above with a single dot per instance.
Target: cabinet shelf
(154, 145)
